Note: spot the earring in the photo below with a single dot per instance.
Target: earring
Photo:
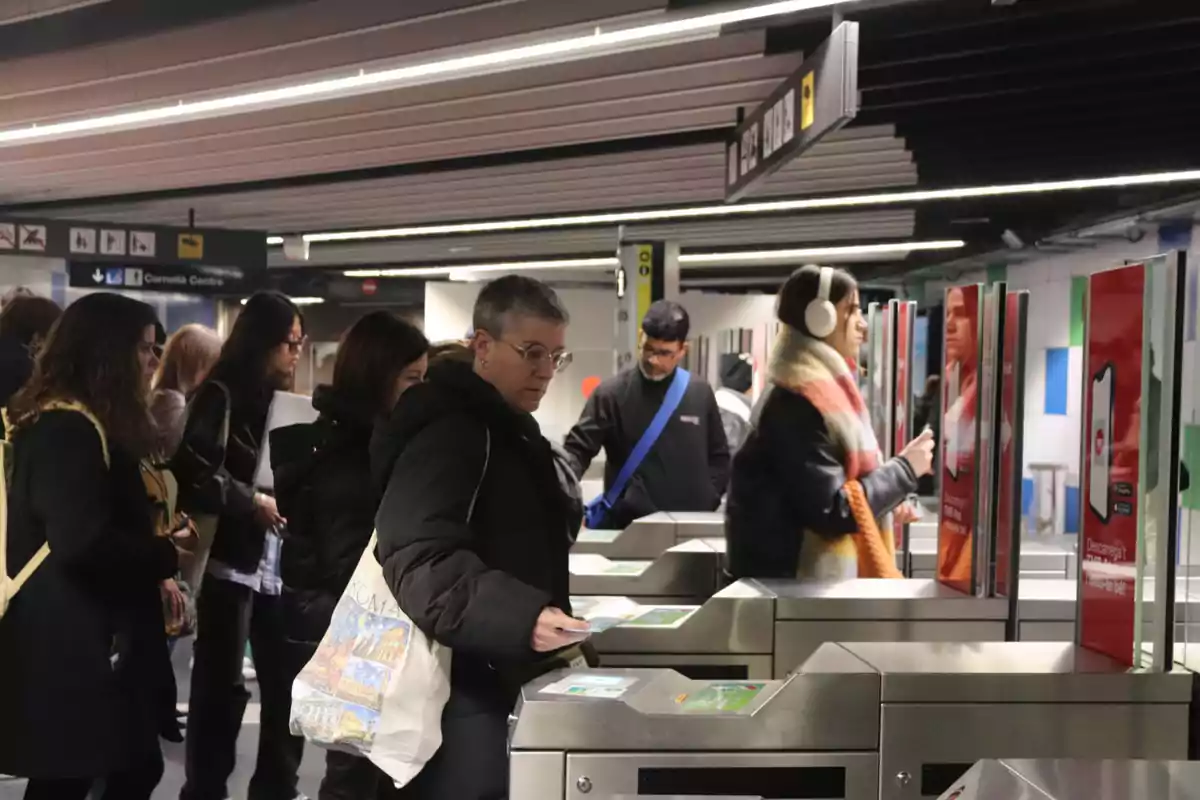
(483, 363)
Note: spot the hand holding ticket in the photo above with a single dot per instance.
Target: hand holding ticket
(555, 630)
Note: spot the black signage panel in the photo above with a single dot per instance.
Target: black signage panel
(132, 244)
(180, 279)
(818, 99)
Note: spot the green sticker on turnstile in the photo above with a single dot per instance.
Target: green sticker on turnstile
(720, 697)
(661, 617)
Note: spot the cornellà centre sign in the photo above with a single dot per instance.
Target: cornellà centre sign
(192, 279)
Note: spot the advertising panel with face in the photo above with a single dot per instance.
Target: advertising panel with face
(960, 402)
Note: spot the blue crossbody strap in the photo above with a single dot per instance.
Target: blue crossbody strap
(671, 402)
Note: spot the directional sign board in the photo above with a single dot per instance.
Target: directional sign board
(190, 279)
(154, 245)
(819, 98)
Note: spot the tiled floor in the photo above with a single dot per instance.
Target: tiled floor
(310, 772)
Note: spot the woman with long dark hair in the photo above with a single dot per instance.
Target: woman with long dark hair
(323, 484)
(239, 591)
(85, 681)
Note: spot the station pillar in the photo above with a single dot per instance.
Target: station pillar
(648, 271)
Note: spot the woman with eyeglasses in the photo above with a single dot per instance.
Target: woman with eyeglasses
(239, 593)
(475, 526)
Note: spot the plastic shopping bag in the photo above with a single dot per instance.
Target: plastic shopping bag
(376, 686)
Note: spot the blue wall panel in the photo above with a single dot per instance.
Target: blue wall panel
(1072, 510)
(1057, 361)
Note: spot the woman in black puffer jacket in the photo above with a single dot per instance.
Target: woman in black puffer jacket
(324, 489)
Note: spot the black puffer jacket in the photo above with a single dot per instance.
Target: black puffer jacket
(324, 490)
(788, 478)
(474, 528)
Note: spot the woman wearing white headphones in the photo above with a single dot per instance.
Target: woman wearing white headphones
(812, 460)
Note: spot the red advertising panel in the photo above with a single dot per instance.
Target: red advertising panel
(1112, 389)
(960, 404)
(900, 429)
(1008, 482)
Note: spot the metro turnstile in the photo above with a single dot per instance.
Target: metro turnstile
(663, 734)
(1078, 780)
(810, 613)
(689, 571)
(646, 538)
(1046, 609)
(730, 636)
(698, 525)
(651, 536)
(925, 711)
(945, 706)
(767, 628)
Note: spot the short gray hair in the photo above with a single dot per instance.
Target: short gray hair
(516, 295)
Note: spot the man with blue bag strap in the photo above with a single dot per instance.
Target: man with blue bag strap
(660, 428)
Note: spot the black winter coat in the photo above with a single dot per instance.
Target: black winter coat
(217, 477)
(788, 478)
(16, 365)
(67, 708)
(324, 489)
(688, 467)
(474, 528)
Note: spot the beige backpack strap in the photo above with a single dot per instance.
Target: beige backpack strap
(10, 586)
(80, 408)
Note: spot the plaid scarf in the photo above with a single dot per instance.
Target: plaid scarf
(817, 372)
(814, 370)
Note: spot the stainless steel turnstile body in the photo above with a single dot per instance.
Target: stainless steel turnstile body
(730, 636)
(647, 538)
(698, 525)
(808, 614)
(690, 571)
(1078, 780)
(945, 706)
(896, 721)
(1046, 610)
(817, 728)
(650, 537)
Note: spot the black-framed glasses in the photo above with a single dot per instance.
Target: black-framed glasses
(296, 345)
(536, 355)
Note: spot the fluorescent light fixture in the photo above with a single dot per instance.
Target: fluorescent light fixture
(469, 269)
(816, 252)
(461, 271)
(577, 46)
(748, 209)
(300, 301)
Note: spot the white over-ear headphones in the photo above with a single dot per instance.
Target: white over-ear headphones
(820, 316)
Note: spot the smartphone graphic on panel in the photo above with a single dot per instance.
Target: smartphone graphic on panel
(1100, 442)
(953, 416)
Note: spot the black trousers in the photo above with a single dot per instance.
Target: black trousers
(347, 777)
(133, 784)
(229, 615)
(472, 763)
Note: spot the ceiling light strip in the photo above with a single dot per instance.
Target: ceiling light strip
(500, 266)
(689, 258)
(817, 252)
(762, 207)
(387, 79)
